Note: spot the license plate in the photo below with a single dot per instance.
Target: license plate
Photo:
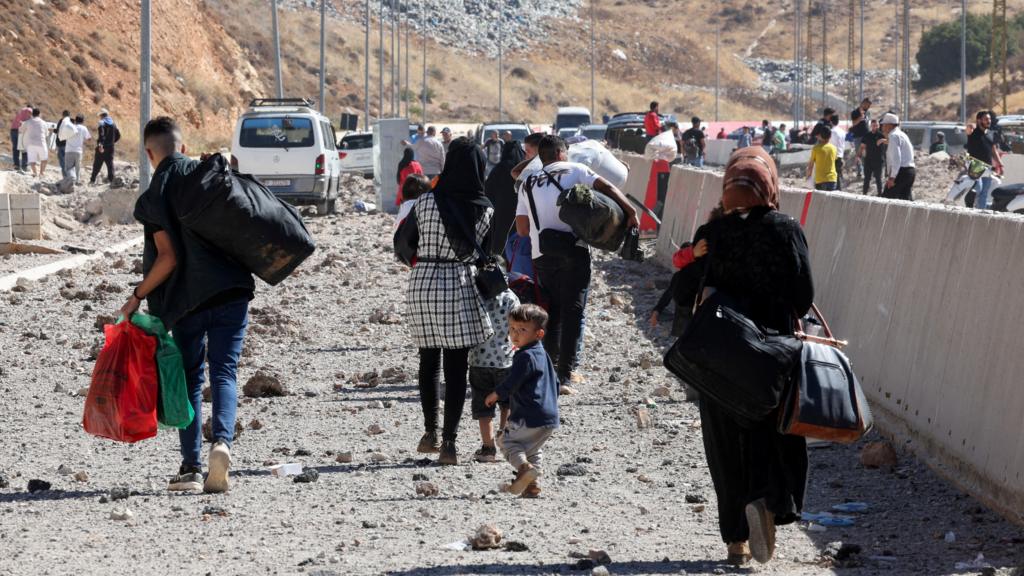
(277, 183)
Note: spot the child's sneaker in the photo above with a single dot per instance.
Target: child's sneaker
(532, 491)
(448, 456)
(523, 479)
(486, 454)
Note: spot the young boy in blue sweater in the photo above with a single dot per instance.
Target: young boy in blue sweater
(530, 395)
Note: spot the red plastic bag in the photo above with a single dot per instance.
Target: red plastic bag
(122, 399)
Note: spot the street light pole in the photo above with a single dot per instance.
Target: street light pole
(144, 93)
(423, 95)
(407, 70)
(366, 69)
(593, 63)
(277, 49)
(718, 71)
(380, 60)
(398, 63)
(323, 42)
(963, 61)
(501, 94)
(860, 91)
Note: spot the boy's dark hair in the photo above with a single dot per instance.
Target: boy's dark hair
(980, 114)
(414, 186)
(163, 131)
(834, 119)
(822, 130)
(695, 120)
(828, 112)
(549, 147)
(79, 119)
(530, 313)
(856, 114)
(65, 114)
(534, 138)
(35, 112)
(654, 104)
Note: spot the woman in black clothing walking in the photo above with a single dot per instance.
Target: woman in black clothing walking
(758, 256)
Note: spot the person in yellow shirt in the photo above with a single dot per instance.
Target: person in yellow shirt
(823, 160)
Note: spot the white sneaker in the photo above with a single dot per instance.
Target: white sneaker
(188, 479)
(220, 462)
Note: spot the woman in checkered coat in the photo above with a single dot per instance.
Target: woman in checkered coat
(446, 316)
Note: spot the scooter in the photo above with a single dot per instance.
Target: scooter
(1009, 198)
(973, 171)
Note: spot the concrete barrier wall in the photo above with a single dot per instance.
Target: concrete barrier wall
(717, 152)
(25, 216)
(6, 233)
(926, 296)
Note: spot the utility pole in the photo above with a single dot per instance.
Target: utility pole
(423, 95)
(824, 53)
(407, 70)
(380, 60)
(906, 61)
(796, 62)
(963, 61)
(144, 93)
(851, 45)
(501, 94)
(860, 91)
(997, 61)
(392, 64)
(718, 71)
(808, 60)
(277, 49)
(366, 69)
(593, 63)
(323, 42)
(398, 64)
(896, 55)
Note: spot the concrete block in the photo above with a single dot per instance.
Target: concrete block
(27, 232)
(17, 217)
(6, 235)
(22, 201)
(31, 217)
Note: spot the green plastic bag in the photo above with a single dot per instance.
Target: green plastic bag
(173, 408)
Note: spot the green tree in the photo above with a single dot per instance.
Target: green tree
(938, 56)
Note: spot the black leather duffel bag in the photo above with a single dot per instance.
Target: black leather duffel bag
(733, 362)
(244, 220)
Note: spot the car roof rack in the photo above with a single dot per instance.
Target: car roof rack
(257, 102)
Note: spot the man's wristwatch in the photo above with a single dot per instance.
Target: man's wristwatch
(135, 294)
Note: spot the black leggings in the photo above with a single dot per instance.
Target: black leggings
(456, 367)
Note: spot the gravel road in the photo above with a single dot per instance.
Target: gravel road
(643, 496)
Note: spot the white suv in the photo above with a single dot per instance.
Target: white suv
(356, 152)
(289, 147)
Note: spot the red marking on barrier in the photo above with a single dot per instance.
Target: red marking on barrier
(807, 208)
(651, 200)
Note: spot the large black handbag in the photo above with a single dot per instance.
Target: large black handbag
(243, 219)
(825, 401)
(732, 361)
(407, 239)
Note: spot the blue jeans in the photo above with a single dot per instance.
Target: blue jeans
(698, 161)
(984, 188)
(60, 158)
(215, 335)
(23, 164)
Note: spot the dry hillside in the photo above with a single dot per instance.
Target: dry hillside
(211, 56)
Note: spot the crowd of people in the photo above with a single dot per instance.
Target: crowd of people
(33, 139)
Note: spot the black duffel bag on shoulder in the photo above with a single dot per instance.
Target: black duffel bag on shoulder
(740, 366)
(244, 220)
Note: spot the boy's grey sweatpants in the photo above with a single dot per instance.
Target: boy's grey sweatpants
(521, 444)
(73, 165)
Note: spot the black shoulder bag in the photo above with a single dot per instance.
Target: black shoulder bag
(552, 242)
(490, 279)
(407, 239)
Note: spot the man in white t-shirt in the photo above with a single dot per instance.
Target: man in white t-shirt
(74, 147)
(838, 140)
(561, 263)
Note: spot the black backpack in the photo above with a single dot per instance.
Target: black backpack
(117, 134)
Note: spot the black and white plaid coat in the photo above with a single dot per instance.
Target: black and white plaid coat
(445, 309)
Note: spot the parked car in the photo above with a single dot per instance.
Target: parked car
(564, 133)
(570, 117)
(756, 134)
(289, 147)
(922, 134)
(593, 131)
(356, 152)
(626, 131)
(519, 131)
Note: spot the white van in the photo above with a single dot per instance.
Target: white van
(570, 117)
(289, 147)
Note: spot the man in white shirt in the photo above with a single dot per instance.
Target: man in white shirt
(899, 160)
(429, 153)
(74, 147)
(838, 140)
(561, 262)
(36, 130)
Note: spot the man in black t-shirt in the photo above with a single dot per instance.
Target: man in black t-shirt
(872, 154)
(693, 144)
(982, 145)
